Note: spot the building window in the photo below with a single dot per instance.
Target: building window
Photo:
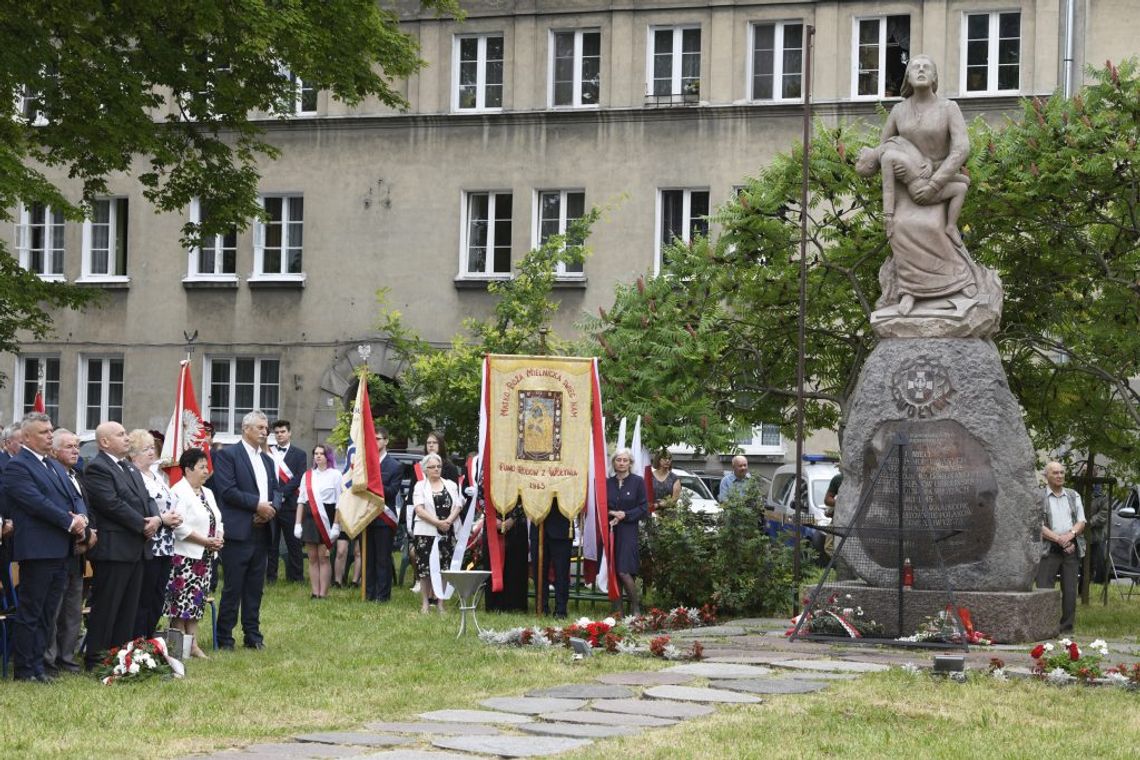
(761, 439)
(487, 243)
(237, 386)
(575, 69)
(39, 240)
(28, 383)
(478, 72)
(882, 48)
(777, 61)
(279, 240)
(557, 210)
(305, 96)
(675, 63)
(100, 391)
(105, 240)
(993, 52)
(216, 258)
(683, 214)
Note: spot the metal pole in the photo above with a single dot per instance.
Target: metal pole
(902, 549)
(801, 492)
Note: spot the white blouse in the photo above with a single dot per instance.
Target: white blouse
(327, 485)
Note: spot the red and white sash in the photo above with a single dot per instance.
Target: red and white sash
(320, 517)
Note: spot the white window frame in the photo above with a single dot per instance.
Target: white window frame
(576, 101)
(105, 387)
(258, 386)
(757, 448)
(561, 272)
(994, 42)
(481, 72)
(194, 253)
(777, 61)
(259, 234)
(882, 43)
(22, 100)
(676, 92)
(24, 242)
(299, 96)
(20, 399)
(116, 226)
(686, 212)
(488, 272)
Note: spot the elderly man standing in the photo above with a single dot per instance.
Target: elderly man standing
(49, 516)
(63, 636)
(11, 440)
(1063, 522)
(127, 518)
(245, 487)
(736, 480)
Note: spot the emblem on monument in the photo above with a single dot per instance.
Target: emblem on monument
(922, 388)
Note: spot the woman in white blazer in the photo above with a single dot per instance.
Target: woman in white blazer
(437, 507)
(196, 541)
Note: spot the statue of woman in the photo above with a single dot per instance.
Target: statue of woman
(929, 259)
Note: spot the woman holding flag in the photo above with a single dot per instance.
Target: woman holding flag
(316, 524)
(437, 508)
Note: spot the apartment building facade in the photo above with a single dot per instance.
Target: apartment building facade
(527, 113)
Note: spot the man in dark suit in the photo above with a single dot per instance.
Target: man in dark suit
(288, 485)
(126, 518)
(245, 488)
(379, 569)
(11, 440)
(48, 517)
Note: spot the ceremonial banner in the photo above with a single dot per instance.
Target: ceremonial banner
(363, 496)
(185, 429)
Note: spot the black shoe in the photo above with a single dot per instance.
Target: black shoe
(70, 667)
(227, 647)
(36, 678)
(254, 645)
(51, 671)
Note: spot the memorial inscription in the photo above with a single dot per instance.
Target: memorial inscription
(955, 514)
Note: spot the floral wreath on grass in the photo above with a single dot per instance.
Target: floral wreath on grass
(834, 619)
(138, 660)
(617, 634)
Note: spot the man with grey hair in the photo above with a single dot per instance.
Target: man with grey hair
(63, 633)
(735, 480)
(11, 439)
(245, 487)
(49, 516)
(1063, 522)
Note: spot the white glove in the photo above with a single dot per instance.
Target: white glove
(297, 531)
(334, 532)
(469, 491)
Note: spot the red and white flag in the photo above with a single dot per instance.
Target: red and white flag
(38, 403)
(185, 430)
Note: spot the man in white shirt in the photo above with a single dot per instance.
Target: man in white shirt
(1063, 522)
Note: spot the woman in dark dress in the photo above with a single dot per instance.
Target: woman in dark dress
(666, 484)
(513, 543)
(627, 503)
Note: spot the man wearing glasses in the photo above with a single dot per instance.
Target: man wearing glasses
(379, 568)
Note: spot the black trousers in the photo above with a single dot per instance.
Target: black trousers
(152, 597)
(556, 554)
(281, 529)
(41, 588)
(115, 588)
(378, 565)
(1047, 572)
(243, 568)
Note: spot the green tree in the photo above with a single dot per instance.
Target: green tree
(1053, 208)
(439, 386)
(164, 91)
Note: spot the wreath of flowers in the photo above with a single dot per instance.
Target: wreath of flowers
(835, 619)
(945, 628)
(617, 634)
(138, 660)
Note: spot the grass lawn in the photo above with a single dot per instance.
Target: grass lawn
(339, 663)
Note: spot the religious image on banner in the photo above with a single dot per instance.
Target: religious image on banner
(540, 426)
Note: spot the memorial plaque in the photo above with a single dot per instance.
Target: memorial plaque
(948, 497)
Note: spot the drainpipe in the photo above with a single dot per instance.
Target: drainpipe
(1067, 72)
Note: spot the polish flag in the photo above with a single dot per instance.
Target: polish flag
(185, 430)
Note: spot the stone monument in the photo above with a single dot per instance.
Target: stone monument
(936, 377)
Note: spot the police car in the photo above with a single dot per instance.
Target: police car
(779, 511)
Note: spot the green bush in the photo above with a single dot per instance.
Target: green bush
(692, 559)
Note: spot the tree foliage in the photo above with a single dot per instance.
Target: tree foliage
(438, 386)
(1053, 208)
(165, 91)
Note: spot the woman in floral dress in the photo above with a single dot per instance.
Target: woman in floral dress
(196, 541)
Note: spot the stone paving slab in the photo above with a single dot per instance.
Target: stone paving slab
(765, 624)
(420, 754)
(658, 708)
(737, 657)
(290, 751)
(835, 666)
(361, 738)
(700, 694)
(584, 691)
(474, 716)
(709, 631)
(809, 675)
(769, 685)
(645, 678)
(444, 729)
(512, 746)
(599, 718)
(532, 705)
(719, 670)
(580, 730)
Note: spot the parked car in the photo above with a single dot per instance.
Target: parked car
(701, 499)
(779, 507)
(1125, 536)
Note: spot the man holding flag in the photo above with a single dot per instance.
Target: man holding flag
(378, 566)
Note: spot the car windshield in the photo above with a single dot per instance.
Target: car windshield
(818, 491)
(696, 485)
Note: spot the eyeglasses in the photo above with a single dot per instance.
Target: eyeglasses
(434, 466)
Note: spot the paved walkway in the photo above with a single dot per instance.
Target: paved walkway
(746, 661)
